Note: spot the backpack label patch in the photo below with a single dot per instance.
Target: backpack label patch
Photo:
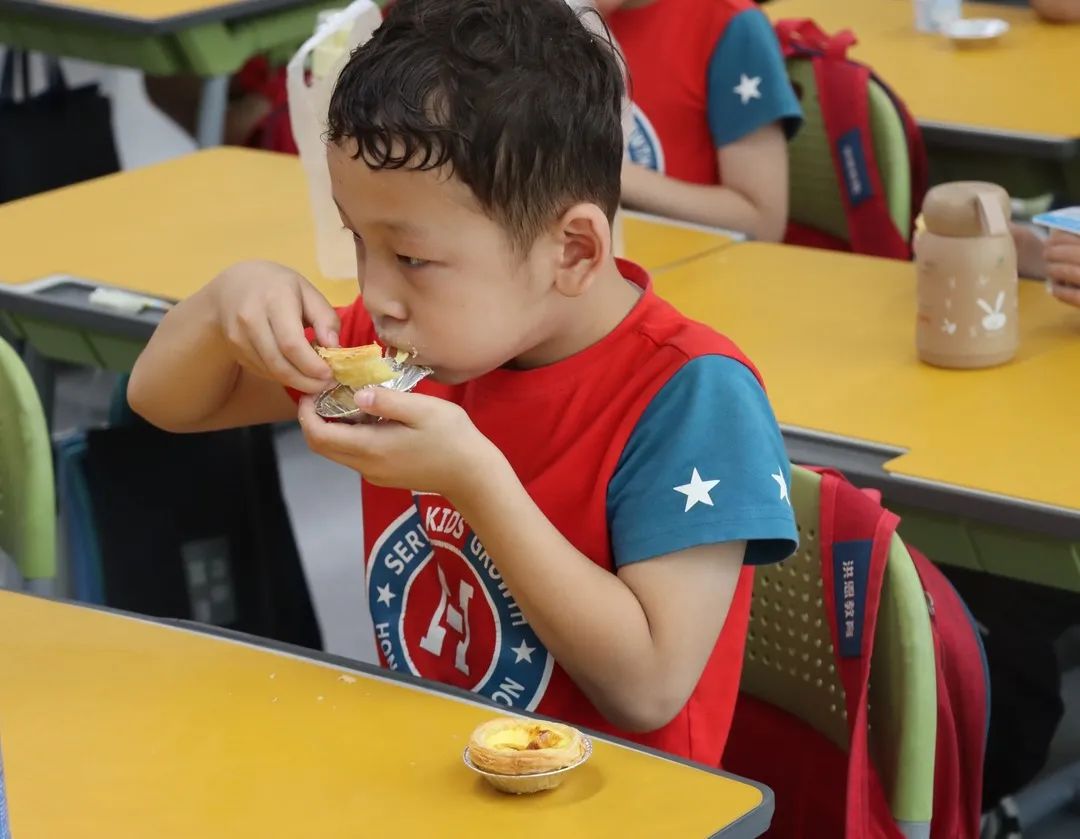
(853, 166)
(851, 564)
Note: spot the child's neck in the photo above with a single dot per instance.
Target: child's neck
(586, 319)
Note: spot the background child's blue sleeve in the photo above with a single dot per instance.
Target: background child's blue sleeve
(705, 464)
(748, 82)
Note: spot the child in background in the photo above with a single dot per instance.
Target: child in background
(713, 109)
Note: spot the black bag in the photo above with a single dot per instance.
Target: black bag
(60, 136)
(194, 526)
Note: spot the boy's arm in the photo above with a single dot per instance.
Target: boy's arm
(635, 642)
(753, 198)
(220, 358)
(700, 489)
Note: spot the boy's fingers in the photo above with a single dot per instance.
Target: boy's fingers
(405, 408)
(287, 326)
(342, 439)
(320, 315)
(264, 344)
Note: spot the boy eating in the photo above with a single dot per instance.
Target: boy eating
(564, 518)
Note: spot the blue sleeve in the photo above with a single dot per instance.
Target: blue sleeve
(748, 83)
(705, 464)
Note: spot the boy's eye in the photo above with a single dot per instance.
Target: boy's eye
(411, 261)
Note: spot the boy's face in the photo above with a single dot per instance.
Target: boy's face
(438, 276)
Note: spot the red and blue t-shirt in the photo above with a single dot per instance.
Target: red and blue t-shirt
(656, 439)
(703, 74)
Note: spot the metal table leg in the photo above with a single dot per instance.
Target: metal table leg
(210, 124)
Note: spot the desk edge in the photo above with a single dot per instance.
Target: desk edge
(759, 817)
(996, 140)
(149, 26)
(868, 464)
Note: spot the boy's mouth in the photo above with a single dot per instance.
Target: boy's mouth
(398, 353)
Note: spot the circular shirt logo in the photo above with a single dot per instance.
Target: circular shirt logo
(441, 610)
(643, 144)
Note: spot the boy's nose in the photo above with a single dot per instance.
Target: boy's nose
(380, 292)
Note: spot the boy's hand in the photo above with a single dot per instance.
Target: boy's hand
(1062, 257)
(262, 309)
(424, 443)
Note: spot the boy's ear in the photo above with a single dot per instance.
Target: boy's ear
(583, 241)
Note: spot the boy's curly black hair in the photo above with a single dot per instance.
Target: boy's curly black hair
(519, 98)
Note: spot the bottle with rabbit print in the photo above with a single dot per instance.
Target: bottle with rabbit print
(967, 282)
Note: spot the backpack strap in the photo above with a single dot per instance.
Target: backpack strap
(802, 37)
(856, 534)
(843, 91)
(917, 155)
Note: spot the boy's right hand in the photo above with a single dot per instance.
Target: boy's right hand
(262, 309)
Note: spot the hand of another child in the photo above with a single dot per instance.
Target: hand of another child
(1062, 255)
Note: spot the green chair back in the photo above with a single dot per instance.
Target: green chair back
(27, 491)
(789, 661)
(815, 197)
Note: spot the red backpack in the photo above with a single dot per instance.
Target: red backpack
(844, 92)
(821, 791)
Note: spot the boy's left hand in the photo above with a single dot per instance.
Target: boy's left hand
(424, 443)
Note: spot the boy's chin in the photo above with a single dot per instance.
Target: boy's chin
(445, 376)
(449, 377)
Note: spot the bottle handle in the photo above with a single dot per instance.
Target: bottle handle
(993, 218)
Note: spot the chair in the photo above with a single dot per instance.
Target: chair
(789, 664)
(815, 198)
(27, 494)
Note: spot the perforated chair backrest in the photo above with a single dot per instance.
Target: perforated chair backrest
(790, 660)
(814, 189)
(27, 492)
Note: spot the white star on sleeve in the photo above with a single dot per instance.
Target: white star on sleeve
(523, 652)
(697, 491)
(747, 88)
(385, 595)
(779, 478)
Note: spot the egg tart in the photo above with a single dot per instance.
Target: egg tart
(510, 746)
(357, 367)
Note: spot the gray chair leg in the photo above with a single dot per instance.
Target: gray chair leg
(210, 124)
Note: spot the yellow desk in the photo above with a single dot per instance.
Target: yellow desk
(833, 335)
(167, 229)
(1018, 96)
(116, 727)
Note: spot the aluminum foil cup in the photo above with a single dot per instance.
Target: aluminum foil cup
(338, 403)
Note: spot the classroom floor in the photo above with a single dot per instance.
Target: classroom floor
(323, 498)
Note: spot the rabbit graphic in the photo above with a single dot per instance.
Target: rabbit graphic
(995, 318)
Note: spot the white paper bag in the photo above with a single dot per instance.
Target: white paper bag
(309, 103)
